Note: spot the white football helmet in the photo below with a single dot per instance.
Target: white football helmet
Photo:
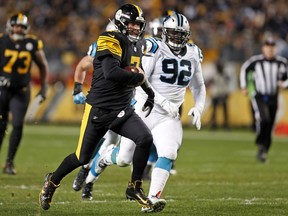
(111, 26)
(155, 27)
(176, 31)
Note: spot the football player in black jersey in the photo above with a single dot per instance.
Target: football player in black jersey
(108, 103)
(17, 51)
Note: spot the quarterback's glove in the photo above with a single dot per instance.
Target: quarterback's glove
(42, 93)
(78, 96)
(196, 117)
(170, 107)
(148, 106)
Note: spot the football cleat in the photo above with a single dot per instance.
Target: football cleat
(135, 192)
(80, 179)
(158, 205)
(87, 191)
(261, 156)
(46, 194)
(9, 168)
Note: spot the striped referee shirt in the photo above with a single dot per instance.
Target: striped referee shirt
(265, 73)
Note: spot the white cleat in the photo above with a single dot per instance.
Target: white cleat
(158, 205)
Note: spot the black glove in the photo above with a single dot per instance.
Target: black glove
(42, 93)
(148, 106)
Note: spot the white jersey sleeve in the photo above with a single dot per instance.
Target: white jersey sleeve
(197, 85)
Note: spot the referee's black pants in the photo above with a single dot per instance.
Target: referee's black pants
(265, 107)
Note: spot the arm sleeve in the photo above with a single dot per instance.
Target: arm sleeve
(112, 71)
(243, 75)
(148, 89)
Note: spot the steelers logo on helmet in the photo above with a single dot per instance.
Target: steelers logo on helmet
(19, 20)
(130, 13)
(176, 31)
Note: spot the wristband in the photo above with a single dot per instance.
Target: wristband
(77, 88)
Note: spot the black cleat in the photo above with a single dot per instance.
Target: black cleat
(79, 180)
(135, 192)
(87, 191)
(46, 194)
(9, 168)
(261, 154)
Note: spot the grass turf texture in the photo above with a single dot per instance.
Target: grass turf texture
(217, 175)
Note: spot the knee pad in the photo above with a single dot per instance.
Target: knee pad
(168, 152)
(164, 163)
(123, 162)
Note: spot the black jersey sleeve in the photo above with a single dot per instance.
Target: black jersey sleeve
(112, 71)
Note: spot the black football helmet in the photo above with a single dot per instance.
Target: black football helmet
(176, 31)
(18, 19)
(130, 13)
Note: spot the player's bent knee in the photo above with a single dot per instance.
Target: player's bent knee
(169, 153)
(145, 141)
(84, 159)
(123, 163)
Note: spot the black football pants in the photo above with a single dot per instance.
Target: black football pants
(265, 108)
(15, 101)
(95, 124)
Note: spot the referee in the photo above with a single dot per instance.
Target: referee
(265, 73)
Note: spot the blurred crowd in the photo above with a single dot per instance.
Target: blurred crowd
(230, 30)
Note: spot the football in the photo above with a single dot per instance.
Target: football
(132, 69)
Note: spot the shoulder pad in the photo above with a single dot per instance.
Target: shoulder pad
(34, 37)
(197, 49)
(152, 45)
(92, 49)
(109, 41)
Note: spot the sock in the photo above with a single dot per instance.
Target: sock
(91, 178)
(159, 178)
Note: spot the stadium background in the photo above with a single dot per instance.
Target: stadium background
(229, 29)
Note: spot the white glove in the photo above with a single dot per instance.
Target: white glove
(196, 117)
(170, 107)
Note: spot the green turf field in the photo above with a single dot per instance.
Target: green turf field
(217, 175)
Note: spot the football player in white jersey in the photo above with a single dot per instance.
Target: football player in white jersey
(171, 66)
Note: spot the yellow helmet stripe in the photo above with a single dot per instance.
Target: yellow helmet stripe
(20, 17)
(138, 9)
